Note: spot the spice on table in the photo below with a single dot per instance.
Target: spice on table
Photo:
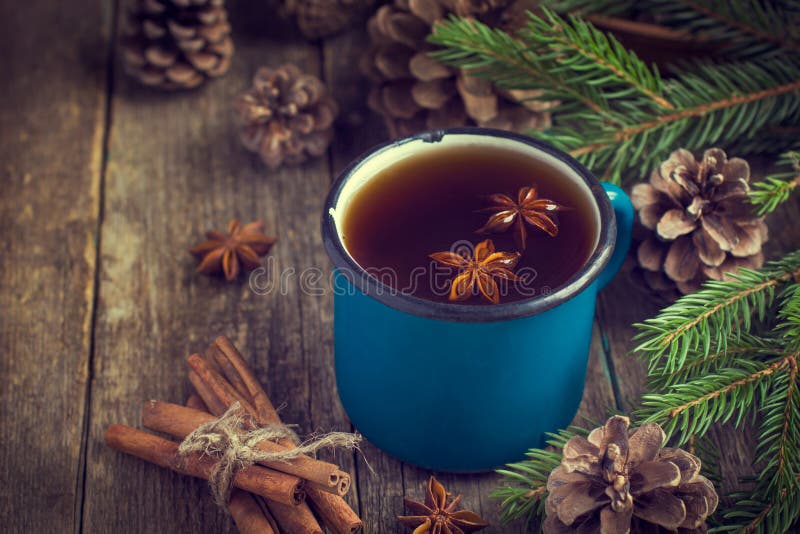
(240, 249)
(477, 273)
(438, 514)
(241, 413)
(268, 483)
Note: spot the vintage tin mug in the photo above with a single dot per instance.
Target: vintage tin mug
(457, 387)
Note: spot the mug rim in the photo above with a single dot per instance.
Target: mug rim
(457, 312)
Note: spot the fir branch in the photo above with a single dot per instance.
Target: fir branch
(698, 364)
(524, 489)
(579, 39)
(775, 189)
(741, 28)
(507, 61)
(761, 516)
(778, 448)
(567, 58)
(617, 115)
(737, 28)
(691, 408)
(713, 316)
(586, 7)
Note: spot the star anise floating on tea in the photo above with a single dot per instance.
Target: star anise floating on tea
(438, 516)
(527, 209)
(239, 250)
(476, 274)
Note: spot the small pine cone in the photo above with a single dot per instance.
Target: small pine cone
(414, 92)
(286, 116)
(177, 44)
(703, 225)
(322, 18)
(618, 477)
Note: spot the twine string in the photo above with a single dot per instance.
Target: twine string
(235, 447)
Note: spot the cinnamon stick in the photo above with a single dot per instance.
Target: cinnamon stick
(179, 421)
(265, 410)
(249, 517)
(208, 397)
(270, 484)
(223, 365)
(294, 519)
(217, 385)
(195, 402)
(247, 512)
(335, 512)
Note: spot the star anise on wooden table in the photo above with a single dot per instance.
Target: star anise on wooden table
(239, 250)
(437, 516)
(477, 273)
(537, 212)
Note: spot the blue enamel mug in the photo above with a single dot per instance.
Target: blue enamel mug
(460, 387)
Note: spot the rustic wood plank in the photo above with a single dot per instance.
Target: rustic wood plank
(175, 168)
(52, 121)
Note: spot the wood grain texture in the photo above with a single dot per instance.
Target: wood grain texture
(52, 117)
(176, 167)
(173, 168)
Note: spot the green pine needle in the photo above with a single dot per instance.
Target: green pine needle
(713, 316)
(524, 489)
(615, 113)
(775, 189)
(690, 408)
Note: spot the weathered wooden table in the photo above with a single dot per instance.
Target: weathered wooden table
(105, 186)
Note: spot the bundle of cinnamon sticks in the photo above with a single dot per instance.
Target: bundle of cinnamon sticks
(269, 497)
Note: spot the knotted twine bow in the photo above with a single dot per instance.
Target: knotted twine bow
(234, 446)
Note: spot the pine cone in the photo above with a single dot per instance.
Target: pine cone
(286, 116)
(618, 478)
(414, 92)
(321, 18)
(177, 44)
(704, 225)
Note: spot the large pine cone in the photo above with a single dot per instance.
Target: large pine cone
(177, 44)
(286, 116)
(703, 224)
(414, 92)
(321, 18)
(618, 479)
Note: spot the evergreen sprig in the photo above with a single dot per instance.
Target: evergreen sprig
(524, 489)
(736, 360)
(775, 189)
(686, 331)
(617, 115)
(736, 28)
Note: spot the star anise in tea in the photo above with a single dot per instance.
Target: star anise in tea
(529, 209)
(476, 274)
(239, 250)
(438, 516)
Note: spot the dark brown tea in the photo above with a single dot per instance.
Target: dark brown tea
(433, 202)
